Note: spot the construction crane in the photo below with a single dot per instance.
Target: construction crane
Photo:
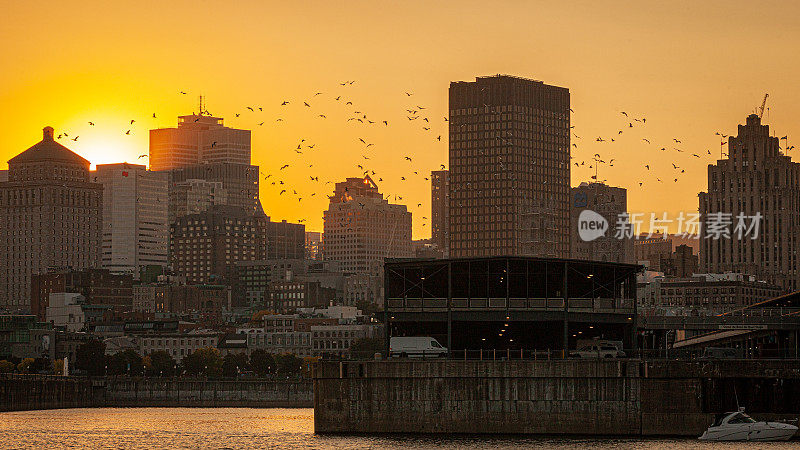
(763, 104)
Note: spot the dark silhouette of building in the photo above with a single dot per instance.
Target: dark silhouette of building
(509, 168)
(755, 179)
(682, 263)
(651, 250)
(204, 247)
(440, 196)
(239, 182)
(285, 240)
(98, 286)
(50, 216)
(611, 203)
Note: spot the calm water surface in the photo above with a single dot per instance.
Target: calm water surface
(223, 428)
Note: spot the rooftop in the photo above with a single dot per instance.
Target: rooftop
(48, 150)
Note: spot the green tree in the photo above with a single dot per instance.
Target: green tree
(367, 347)
(126, 362)
(288, 364)
(58, 367)
(261, 362)
(160, 363)
(24, 366)
(6, 366)
(90, 357)
(233, 363)
(205, 361)
(367, 307)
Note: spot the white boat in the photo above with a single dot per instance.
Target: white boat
(738, 426)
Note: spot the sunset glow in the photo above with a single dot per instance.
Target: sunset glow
(690, 69)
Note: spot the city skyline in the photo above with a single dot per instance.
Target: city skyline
(688, 95)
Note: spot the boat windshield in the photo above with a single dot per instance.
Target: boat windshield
(741, 418)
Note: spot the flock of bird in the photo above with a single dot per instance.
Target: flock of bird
(303, 154)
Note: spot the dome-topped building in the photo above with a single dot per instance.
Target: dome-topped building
(50, 217)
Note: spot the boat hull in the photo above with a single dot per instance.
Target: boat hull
(760, 432)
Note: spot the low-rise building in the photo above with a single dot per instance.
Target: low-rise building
(705, 290)
(335, 340)
(177, 345)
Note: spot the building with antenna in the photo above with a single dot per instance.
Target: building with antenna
(361, 228)
(759, 183)
(199, 138)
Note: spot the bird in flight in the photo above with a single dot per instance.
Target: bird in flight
(91, 123)
(75, 138)
(250, 108)
(284, 166)
(132, 121)
(128, 132)
(409, 94)
(142, 156)
(285, 102)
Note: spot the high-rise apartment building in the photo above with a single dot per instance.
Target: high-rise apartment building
(198, 139)
(205, 247)
(440, 195)
(611, 203)
(756, 179)
(509, 168)
(361, 228)
(50, 216)
(195, 196)
(135, 227)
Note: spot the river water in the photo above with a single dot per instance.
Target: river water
(233, 428)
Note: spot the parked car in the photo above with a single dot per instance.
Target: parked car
(415, 347)
(598, 350)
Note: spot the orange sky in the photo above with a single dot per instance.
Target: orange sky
(690, 69)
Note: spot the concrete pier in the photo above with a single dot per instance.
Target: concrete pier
(620, 397)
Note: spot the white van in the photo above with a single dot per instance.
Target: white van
(416, 347)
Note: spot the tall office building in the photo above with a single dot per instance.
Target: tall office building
(239, 181)
(755, 179)
(361, 228)
(610, 203)
(195, 196)
(135, 227)
(509, 168)
(440, 195)
(198, 139)
(50, 216)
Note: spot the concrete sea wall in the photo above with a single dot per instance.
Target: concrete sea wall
(625, 397)
(24, 392)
